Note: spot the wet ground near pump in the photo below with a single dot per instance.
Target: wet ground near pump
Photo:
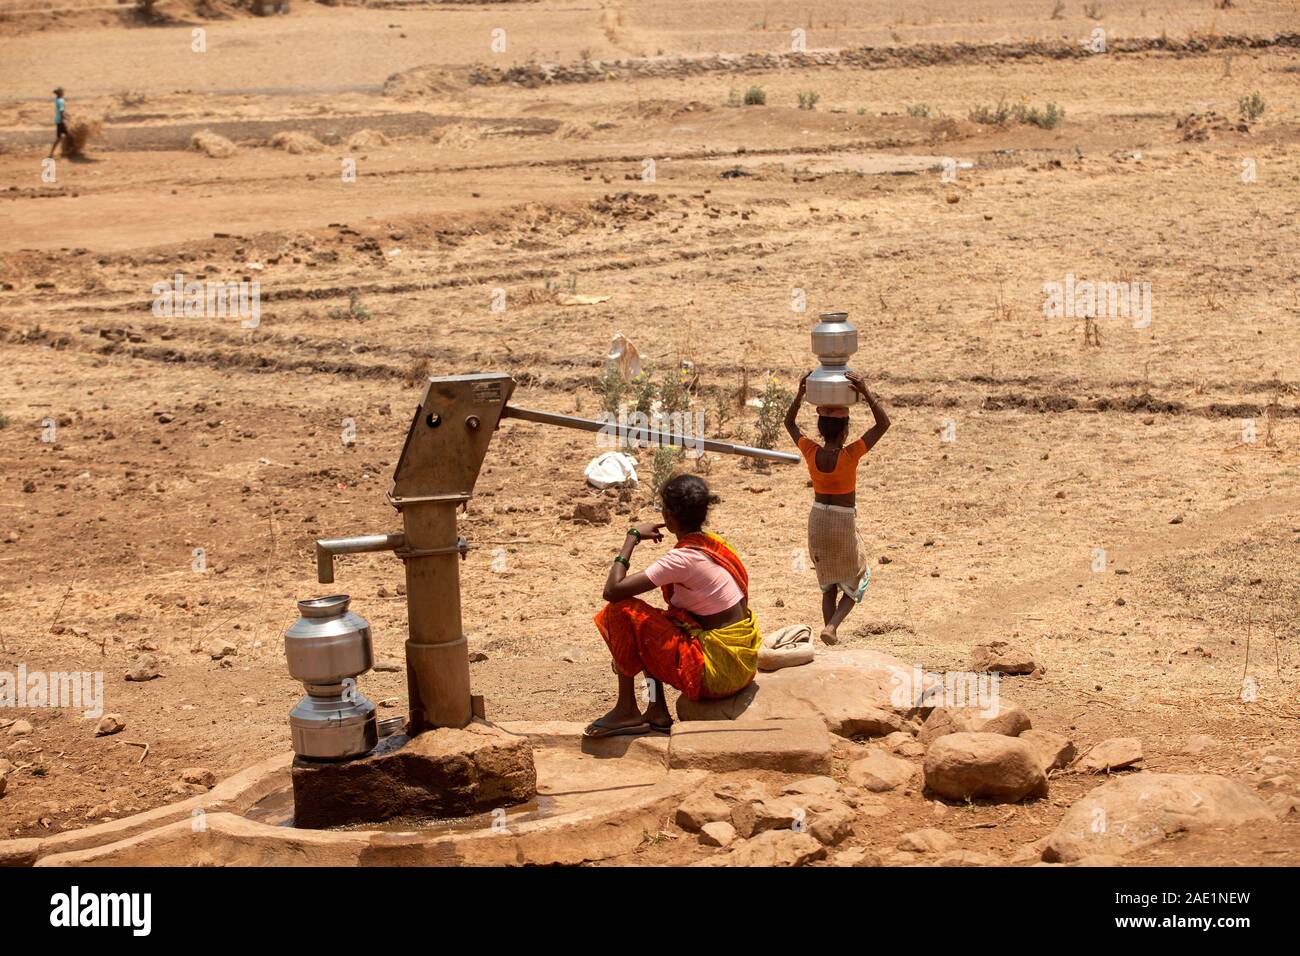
(567, 780)
(276, 809)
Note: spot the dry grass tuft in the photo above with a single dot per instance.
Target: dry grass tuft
(212, 144)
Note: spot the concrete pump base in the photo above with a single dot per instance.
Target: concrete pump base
(588, 807)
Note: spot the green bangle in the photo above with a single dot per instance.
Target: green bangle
(635, 532)
(619, 559)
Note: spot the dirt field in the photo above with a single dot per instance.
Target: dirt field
(1017, 451)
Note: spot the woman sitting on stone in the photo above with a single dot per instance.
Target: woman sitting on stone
(705, 644)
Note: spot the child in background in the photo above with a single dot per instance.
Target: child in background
(833, 543)
(60, 119)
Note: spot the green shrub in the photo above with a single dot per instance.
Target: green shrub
(1251, 107)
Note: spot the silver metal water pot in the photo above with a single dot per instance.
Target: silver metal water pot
(327, 648)
(834, 342)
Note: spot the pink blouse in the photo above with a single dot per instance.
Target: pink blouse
(700, 585)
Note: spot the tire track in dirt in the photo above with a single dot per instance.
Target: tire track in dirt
(919, 55)
(536, 368)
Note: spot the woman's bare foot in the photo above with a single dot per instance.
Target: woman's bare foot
(829, 636)
(615, 721)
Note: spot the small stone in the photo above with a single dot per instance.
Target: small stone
(392, 667)
(903, 743)
(855, 856)
(591, 512)
(772, 848)
(20, 728)
(927, 840)
(1053, 751)
(1009, 719)
(219, 647)
(967, 858)
(813, 786)
(1002, 658)
(143, 668)
(1113, 754)
(1284, 805)
(199, 777)
(717, 833)
(109, 724)
(879, 771)
(699, 809)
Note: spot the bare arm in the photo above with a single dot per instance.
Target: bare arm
(876, 431)
(792, 413)
(620, 584)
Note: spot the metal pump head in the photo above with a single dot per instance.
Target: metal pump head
(449, 438)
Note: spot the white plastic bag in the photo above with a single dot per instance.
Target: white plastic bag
(611, 468)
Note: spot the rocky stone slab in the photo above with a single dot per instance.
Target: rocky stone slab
(1141, 808)
(801, 745)
(855, 692)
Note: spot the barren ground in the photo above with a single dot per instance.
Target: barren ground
(1134, 446)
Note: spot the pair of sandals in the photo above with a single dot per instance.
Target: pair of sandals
(598, 731)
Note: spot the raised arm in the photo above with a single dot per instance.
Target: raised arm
(620, 584)
(792, 413)
(876, 431)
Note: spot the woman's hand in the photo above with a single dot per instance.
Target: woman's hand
(858, 383)
(803, 383)
(649, 530)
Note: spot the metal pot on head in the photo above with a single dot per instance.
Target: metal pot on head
(834, 342)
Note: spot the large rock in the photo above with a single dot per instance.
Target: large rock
(790, 746)
(1139, 809)
(446, 772)
(856, 692)
(1008, 719)
(980, 765)
(772, 848)
(879, 771)
(1053, 751)
(1114, 754)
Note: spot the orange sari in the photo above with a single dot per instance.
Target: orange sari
(671, 646)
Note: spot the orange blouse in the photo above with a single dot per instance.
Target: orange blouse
(841, 481)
